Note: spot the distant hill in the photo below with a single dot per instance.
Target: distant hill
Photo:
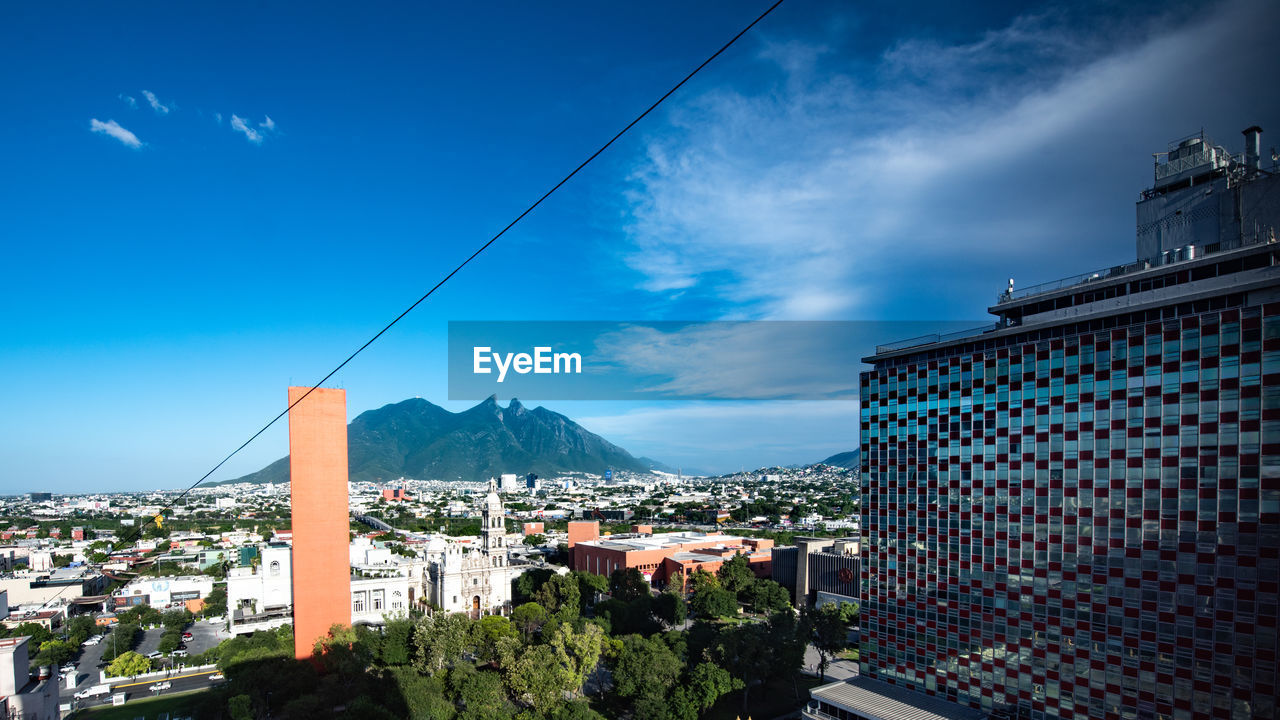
(416, 439)
(851, 460)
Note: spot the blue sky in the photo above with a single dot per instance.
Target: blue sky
(205, 204)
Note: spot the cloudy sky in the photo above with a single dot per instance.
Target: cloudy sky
(203, 205)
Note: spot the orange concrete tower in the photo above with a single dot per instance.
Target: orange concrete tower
(318, 490)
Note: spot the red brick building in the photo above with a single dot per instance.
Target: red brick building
(667, 557)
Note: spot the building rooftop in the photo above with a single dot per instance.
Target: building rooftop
(876, 699)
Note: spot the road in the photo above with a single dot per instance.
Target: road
(141, 688)
(205, 635)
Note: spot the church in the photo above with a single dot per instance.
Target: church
(477, 581)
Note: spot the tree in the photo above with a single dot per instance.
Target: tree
(703, 686)
(578, 652)
(714, 603)
(128, 663)
(487, 632)
(735, 575)
(175, 618)
(169, 642)
(560, 597)
(480, 693)
(527, 585)
(744, 651)
(55, 652)
(699, 580)
(789, 642)
(645, 667)
(848, 612)
(590, 586)
(575, 710)
(627, 584)
(768, 597)
(37, 632)
(81, 628)
(215, 603)
(535, 540)
(424, 695)
(534, 675)
(671, 607)
(240, 707)
(828, 631)
(529, 618)
(440, 640)
(397, 639)
(120, 641)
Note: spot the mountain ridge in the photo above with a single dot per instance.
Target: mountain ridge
(851, 460)
(417, 439)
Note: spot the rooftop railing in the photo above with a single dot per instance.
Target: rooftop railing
(1167, 259)
(1072, 281)
(932, 338)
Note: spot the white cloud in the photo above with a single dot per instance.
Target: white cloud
(155, 103)
(129, 100)
(238, 124)
(1019, 149)
(112, 128)
(747, 360)
(267, 124)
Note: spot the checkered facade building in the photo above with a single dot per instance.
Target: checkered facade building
(1081, 521)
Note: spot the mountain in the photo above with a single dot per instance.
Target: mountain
(851, 460)
(417, 439)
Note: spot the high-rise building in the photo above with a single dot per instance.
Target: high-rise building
(321, 528)
(1076, 512)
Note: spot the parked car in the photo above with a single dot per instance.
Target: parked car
(154, 655)
(179, 653)
(187, 636)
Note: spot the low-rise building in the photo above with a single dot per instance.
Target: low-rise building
(663, 558)
(22, 695)
(62, 584)
(819, 570)
(165, 592)
(260, 596)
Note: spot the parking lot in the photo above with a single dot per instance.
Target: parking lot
(205, 635)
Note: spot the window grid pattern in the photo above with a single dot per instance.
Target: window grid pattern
(1082, 526)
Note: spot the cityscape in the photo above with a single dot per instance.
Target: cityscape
(1070, 509)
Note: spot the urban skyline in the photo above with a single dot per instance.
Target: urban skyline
(171, 275)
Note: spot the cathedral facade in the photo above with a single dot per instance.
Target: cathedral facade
(476, 582)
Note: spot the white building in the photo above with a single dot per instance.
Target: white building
(21, 695)
(262, 596)
(509, 482)
(476, 582)
(40, 560)
(364, 552)
(382, 586)
(163, 592)
(224, 503)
